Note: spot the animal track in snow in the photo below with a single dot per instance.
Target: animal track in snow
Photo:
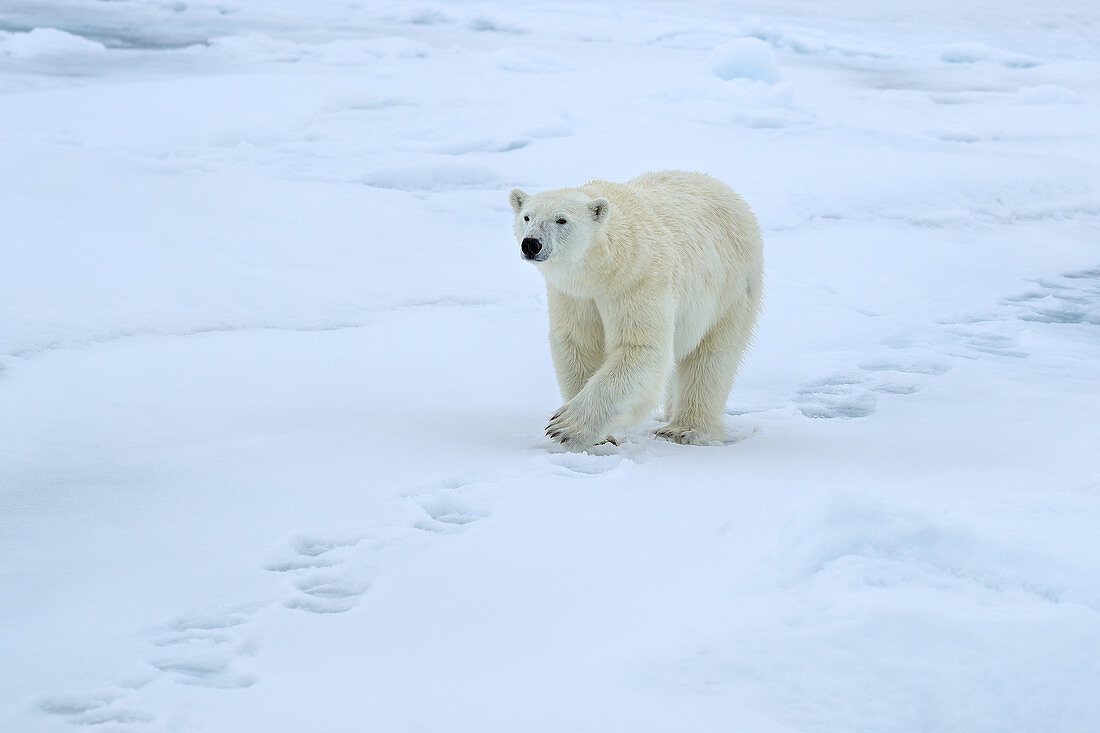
(327, 592)
(94, 709)
(204, 649)
(331, 574)
(984, 338)
(327, 574)
(447, 511)
(322, 582)
(849, 395)
(309, 552)
(1070, 298)
(838, 396)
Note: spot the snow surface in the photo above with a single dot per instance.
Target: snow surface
(273, 376)
(745, 58)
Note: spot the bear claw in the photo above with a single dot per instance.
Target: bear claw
(569, 426)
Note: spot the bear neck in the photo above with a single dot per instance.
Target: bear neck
(587, 277)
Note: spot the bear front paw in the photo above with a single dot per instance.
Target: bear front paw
(569, 427)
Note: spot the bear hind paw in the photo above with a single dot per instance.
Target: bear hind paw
(684, 435)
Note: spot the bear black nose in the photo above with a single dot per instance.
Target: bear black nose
(531, 247)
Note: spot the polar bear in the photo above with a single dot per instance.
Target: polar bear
(653, 289)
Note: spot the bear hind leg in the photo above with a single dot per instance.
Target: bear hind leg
(703, 380)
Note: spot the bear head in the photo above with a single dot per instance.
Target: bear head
(557, 227)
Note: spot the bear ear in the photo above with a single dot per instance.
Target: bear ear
(518, 199)
(599, 208)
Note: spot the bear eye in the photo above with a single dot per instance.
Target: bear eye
(527, 218)
(561, 221)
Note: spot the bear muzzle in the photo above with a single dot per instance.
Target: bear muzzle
(532, 249)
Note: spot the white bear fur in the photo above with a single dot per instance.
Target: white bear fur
(653, 288)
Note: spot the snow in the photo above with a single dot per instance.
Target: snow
(273, 376)
(46, 42)
(745, 58)
(969, 53)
